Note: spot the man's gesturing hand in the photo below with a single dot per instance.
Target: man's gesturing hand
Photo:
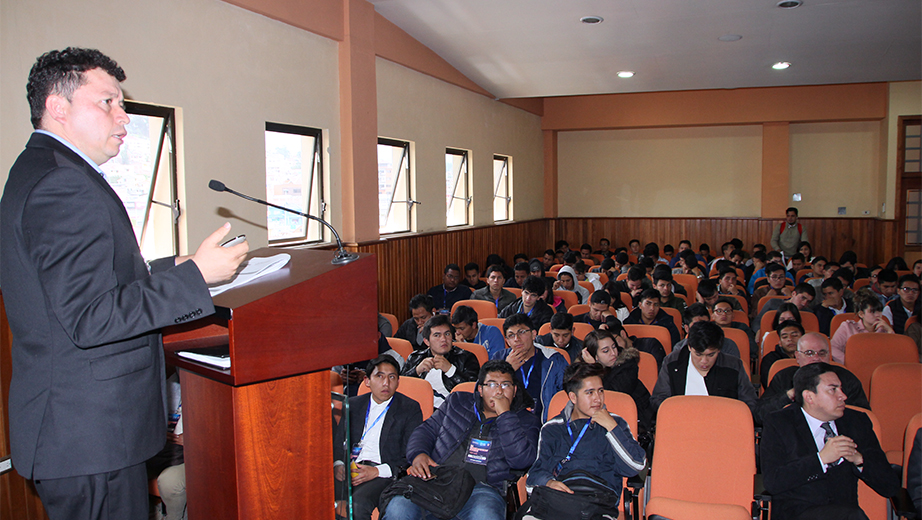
(217, 263)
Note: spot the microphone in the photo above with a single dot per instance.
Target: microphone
(339, 258)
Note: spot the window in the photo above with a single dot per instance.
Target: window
(395, 201)
(457, 198)
(294, 179)
(909, 183)
(143, 174)
(502, 199)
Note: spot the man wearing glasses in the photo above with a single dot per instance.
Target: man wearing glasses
(776, 287)
(811, 348)
(530, 304)
(540, 368)
(899, 310)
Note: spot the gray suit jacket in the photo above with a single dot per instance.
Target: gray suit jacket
(86, 394)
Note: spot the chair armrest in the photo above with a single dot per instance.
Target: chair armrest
(903, 506)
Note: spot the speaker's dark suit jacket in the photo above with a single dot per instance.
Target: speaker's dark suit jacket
(87, 384)
(792, 471)
(402, 418)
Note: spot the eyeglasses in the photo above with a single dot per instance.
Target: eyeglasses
(776, 277)
(811, 353)
(723, 311)
(909, 289)
(493, 385)
(519, 334)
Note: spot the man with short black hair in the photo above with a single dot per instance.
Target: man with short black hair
(834, 303)
(722, 314)
(789, 333)
(599, 315)
(469, 330)
(421, 310)
(900, 309)
(561, 336)
(814, 454)
(380, 424)
(494, 291)
(772, 257)
(530, 303)
(697, 312)
(604, 246)
(442, 364)
(775, 273)
(448, 292)
(802, 298)
(886, 287)
(708, 294)
(520, 273)
(585, 251)
(604, 448)
(789, 234)
(662, 282)
(700, 368)
(648, 312)
(472, 276)
(490, 433)
(622, 263)
(634, 244)
(548, 259)
(635, 283)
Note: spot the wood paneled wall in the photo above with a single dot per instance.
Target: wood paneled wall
(412, 264)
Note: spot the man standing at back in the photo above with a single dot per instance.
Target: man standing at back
(788, 235)
(85, 309)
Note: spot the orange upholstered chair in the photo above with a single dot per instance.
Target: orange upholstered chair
(676, 318)
(569, 298)
(651, 331)
(576, 310)
(895, 396)
(662, 508)
(837, 321)
(866, 351)
(467, 386)
(415, 388)
(873, 505)
(483, 308)
(476, 349)
(914, 424)
(741, 339)
(647, 371)
(688, 281)
(401, 346)
(496, 322)
(393, 319)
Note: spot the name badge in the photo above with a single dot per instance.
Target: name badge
(477, 451)
(356, 450)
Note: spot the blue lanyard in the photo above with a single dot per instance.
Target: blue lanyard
(378, 418)
(528, 376)
(522, 306)
(573, 447)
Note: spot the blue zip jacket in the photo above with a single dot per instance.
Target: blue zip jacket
(552, 367)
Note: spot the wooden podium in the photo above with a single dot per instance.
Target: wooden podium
(258, 436)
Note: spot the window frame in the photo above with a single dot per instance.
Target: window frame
(505, 181)
(405, 159)
(318, 171)
(464, 169)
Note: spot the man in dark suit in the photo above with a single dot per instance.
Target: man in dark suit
(813, 454)
(380, 424)
(86, 397)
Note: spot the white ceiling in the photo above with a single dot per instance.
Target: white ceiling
(529, 48)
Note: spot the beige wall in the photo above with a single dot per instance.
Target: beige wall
(836, 164)
(661, 172)
(436, 115)
(229, 71)
(905, 100)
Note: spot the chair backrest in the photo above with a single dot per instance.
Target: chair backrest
(581, 329)
(914, 424)
(803, 272)
(729, 470)
(474, 348)
(554, 268)
(807, 319)
(866, 351)
(588, 261)
(586, 284)
(576, 310)
(496, 322)
(416, 389)
(647, 371)
(741, 317)
(741, 339)
(688, 281)
(402, 346)
(483, 308)
(617, 403)
(769, 339)
(393, 319)
(562, 352)
(517, 292)
(598, 258)
(627, 300)
(838, 319)
(622, 276)
(651, 331)
(662, 508)
(676, 318)
(778, 366)
(873, 505)
(895, 397)
(603, 279)
(910, 321)
(744, 303)
(467, 386)
(763, 300)
(569, 297)
(859, 283)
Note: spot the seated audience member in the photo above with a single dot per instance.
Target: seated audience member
(812, 347)
(442, 364)
(562, 245)
(849, 260)
(885, 287)
(847, 278)
(683, 245)
(704, 251)
(635, 283)
(384, 326)
(727, 283)
(708, 294)
(548, 259)
(553, 300)
(651, 251)
(494, 291)
(736, 257)
(604, 450)
(833, 303)
(662, 282)
(802, 298)
(604, 246)
(648, 312)
(828, 271)
(725, 249)
(530, 303)
(634, 245)
(558, 257)
(494, 259)
(585, 251)
(722, 314)
(914, 472)
(914, 331)
(168, 466)
(897, 264)
(772, 257)
(608, 268)
(796, 263)
(519, 257)
(583, 276)
(469, 330)
(806, 249)
(380, 424)
(449, 292)
(789, 333)
(411, 330)
(490, 433)
(663, 269)
(599, 315)
(620, 308)
(521, 272)
(668, 253)
(622, 264)
(566, 281)
(899, 310)
(540, 368)
(813, 454)
(917, 268)
(561, 336)
(775, 287)
(619, 358)
(817, 270)
(472, 276)
(700, 368)
(570, 259)
(869, 319)
(536, 268)
(758, 262)
(695, 313)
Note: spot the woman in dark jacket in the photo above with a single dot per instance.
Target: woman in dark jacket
(613, 350)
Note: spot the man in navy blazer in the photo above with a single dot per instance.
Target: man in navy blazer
(380, 424)
(813, 454)
(86, 397)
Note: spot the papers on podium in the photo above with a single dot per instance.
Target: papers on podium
(252, 269)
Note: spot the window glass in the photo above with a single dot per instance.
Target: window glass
(294, 179)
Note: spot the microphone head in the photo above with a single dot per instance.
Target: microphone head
(216, 185)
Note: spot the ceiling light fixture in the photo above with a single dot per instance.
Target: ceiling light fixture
(626, 74)
(592, 20)
(790, 4)
(730, 38)
(781, 65)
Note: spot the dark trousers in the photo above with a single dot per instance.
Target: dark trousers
(366, 495)
(116, 495)
(832, 513)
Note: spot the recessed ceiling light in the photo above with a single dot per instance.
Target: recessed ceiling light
(592, 20)
(781, 65)
(790, 4)
(730, 38)
(626, 74)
